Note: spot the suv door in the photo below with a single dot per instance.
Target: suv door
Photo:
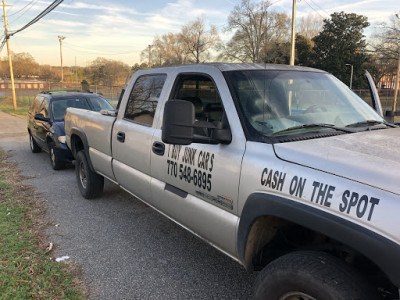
(132, 136)
(197, 185)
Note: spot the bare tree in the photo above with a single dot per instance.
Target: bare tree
(164, 51)
(310, 25)
(107, 72)
(191, 45)
(249, 20)
(197, 41)
(386, 48)
(24, 65)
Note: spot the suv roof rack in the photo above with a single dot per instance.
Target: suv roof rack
(64, 91)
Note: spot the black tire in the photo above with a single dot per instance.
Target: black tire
(34, 147)
(90, 183)
(55, 160)
(309, 275)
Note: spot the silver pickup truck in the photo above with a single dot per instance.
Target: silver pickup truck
(282, 168)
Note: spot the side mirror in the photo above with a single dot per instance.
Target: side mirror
(178, 120)
(40, 117)
(179, 123)
(111, 113)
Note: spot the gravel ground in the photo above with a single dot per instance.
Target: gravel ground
(126, 249)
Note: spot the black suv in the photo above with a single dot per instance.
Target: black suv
(46, 121)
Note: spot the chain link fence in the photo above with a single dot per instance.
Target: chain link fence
(386, 96)
(26, 92)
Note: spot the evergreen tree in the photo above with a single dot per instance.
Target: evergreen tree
(342, 42)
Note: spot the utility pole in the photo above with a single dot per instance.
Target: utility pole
(61, 38)
(292, 52)
(9, 56)
(396, 89)
(76, 74)
(150, 56)
(351, 75)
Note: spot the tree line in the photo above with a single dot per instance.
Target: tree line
(257, 34)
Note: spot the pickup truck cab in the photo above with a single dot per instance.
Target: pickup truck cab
(282, 168)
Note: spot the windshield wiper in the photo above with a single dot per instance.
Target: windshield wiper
(370, 123)
(312, 125)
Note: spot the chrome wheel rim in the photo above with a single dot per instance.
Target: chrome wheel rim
(296, 296)
(82, 175)
(31, 142)
(52, 156)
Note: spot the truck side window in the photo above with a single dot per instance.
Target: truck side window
(144, 97)
(202, 92)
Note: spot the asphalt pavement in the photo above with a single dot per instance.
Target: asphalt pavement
(126, 249)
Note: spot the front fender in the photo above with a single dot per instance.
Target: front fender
(380, 250)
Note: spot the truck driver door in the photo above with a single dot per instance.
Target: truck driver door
(201, 180)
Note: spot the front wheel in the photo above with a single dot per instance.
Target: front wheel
(55, 160)
(308, 275)
(90, 183)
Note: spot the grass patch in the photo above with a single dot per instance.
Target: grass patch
(27, 269)
(23, 103)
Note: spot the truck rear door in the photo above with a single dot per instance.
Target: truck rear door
(133, 133)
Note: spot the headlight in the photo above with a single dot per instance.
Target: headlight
(61, 139)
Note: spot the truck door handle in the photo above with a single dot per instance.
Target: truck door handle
(158, 148)
(121, 136)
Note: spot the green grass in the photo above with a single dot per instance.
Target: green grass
(27, 271)
(23, 103)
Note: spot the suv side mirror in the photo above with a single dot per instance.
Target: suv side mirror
(179, 122)
(40, 117)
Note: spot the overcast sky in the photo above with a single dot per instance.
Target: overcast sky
(121, 29)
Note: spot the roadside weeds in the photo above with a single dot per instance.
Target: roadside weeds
(27, 266)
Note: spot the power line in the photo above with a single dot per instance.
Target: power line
(39, 16)
(320, 7)
(32, 3)
(96, 51)
(314, 9)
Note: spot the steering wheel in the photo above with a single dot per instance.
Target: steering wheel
(315, 108)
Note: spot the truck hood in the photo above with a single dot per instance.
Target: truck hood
(369, 157)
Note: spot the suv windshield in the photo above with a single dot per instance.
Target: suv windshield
(58, 106)
(275, 103)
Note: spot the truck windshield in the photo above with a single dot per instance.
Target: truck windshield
(275, 102)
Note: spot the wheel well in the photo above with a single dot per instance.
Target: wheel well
(271, 237)
(76, 144)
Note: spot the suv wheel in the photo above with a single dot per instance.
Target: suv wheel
(90, 183)
(311, 275)
(54, 158)
(34, 147)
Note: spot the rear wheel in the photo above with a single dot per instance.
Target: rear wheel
(90, 183)
(55, 160)
(308, 275)
(34, 147)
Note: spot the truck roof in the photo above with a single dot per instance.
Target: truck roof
(240, 66)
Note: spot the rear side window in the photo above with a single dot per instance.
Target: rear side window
(44, 108)
(144, 97)
(35, 105)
